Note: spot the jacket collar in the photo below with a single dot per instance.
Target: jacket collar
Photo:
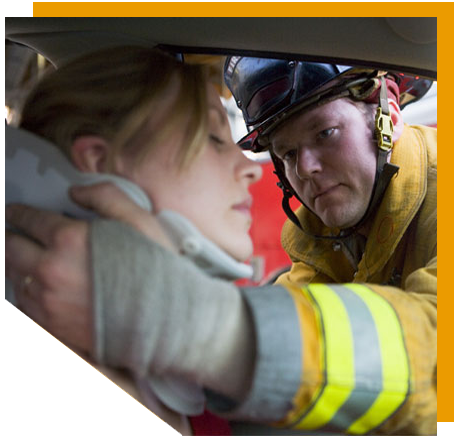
(401, 202)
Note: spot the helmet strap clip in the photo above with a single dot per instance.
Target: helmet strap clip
(383, 122)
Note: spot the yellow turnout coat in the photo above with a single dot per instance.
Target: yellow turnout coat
(368, 323)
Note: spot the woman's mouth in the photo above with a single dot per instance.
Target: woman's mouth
(244, 207)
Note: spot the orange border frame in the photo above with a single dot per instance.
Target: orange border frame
(447, 59)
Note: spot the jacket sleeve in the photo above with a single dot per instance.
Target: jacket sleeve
(344, 358)
(352, 358)
(368, 354)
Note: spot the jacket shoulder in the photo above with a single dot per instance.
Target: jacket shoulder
(428, 137)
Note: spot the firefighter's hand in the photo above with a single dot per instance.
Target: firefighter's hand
(49, 268)
(49, 263)
(110, 202)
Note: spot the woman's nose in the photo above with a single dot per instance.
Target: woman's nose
(250, 169)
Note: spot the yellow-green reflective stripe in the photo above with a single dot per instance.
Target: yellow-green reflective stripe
(338, 361)
(375, 344)
(395, 365)
(367, 361)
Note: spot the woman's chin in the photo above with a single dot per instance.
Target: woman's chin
(241, 252)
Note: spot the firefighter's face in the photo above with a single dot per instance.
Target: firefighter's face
(330, 161)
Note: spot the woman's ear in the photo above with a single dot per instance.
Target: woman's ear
(90, 153)
(397, 120)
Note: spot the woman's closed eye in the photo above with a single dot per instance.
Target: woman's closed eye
(217, 141)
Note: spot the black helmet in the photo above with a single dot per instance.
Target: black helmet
(269, 91)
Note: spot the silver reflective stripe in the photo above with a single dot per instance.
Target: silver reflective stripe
(367, 361)
(279, 361)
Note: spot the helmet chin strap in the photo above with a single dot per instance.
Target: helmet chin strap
(384, 170)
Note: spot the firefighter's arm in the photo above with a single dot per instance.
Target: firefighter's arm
(368, 356)
(156, 313)
(416, 309)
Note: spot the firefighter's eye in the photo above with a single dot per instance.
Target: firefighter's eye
(324, 134)
(289, 155)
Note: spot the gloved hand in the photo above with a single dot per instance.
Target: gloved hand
(49, 263)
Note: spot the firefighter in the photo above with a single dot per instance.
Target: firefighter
(343, 343)
(363, 243)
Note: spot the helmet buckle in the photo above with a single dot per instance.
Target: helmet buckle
(384, 129)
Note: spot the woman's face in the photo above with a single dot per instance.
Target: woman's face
(212, 192)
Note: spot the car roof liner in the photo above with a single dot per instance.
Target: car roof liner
(387, 43)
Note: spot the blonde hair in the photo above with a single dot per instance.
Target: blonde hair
(113, 93)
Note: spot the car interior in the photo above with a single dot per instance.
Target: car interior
(399, 44)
